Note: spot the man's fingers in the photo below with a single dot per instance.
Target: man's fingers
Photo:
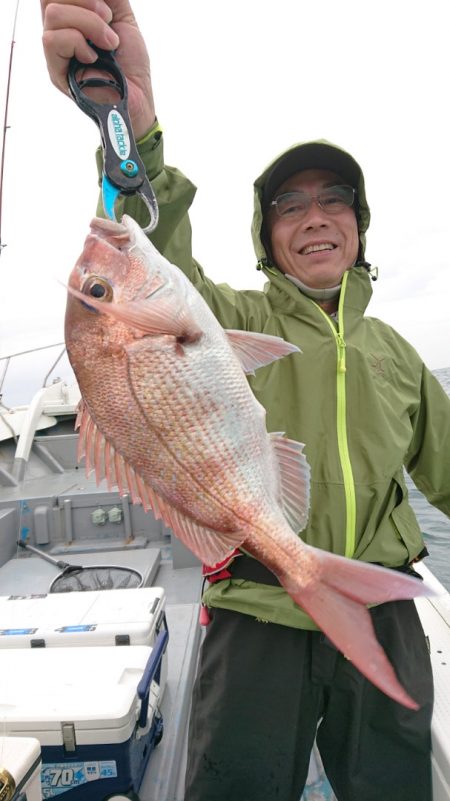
(99, 7)
(66, 29)
(59, 47)
(59, 16)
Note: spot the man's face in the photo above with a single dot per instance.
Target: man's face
(294, 242)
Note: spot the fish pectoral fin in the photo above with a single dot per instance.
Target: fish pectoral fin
(294, 480)
(156, 316)
(153, 316)
(257, 350)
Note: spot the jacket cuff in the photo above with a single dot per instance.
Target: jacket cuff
(151, 150)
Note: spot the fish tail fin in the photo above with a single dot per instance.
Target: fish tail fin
(338, 606)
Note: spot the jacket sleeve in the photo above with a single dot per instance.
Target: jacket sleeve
(428, 458)
(245, 310)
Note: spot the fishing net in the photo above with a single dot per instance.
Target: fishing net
(81, 579)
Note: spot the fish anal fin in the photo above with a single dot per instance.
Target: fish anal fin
(79, 411)
(294, 480)
(257, 350)
(209, 545)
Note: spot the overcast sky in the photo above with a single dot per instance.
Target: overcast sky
(235, 83)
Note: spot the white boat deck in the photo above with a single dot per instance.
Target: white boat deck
(435, 616)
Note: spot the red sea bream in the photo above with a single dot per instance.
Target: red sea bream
(168, 416)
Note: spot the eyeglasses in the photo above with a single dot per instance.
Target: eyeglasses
(332, 200)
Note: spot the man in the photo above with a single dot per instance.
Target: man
(364, 404)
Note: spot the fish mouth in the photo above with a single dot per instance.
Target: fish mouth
(113, 232)
(316, 247)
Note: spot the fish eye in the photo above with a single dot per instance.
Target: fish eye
(97, 287)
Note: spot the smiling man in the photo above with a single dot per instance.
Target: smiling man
(313, 232)
(365, 406)
(269, 689)
(315, 219)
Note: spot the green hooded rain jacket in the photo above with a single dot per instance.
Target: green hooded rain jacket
(358, 396)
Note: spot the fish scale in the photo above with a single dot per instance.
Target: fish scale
(208, 423)
(169, 418)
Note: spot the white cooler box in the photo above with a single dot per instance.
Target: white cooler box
(103, 617)
(20, 762)
(94, 711)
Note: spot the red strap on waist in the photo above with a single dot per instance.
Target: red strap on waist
(219, 571)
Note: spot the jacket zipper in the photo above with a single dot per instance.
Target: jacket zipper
(341, 408)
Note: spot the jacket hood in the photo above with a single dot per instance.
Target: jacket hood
(319, 154)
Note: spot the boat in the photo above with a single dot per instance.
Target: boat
(48, 504)
(56, 523)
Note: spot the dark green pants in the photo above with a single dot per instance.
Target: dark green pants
(261, 691)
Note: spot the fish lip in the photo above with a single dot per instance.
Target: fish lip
(316, 242)
(103, 226)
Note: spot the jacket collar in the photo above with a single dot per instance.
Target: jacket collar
(286, 297)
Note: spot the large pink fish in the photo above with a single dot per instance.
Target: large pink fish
(167, 416)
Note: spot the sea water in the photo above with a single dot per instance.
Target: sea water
(436, 530)
(434, 524)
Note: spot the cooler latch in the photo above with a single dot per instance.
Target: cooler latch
(68, 735)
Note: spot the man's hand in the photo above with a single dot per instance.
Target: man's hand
(109, 25)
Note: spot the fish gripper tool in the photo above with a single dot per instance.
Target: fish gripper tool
(123, 170)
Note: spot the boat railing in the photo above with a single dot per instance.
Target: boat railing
(48, 403)
(5, 362)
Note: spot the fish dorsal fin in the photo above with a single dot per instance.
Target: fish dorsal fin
(257, 350)
(208, 545)
(294, 480)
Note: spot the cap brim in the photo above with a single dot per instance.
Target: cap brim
(310, 156)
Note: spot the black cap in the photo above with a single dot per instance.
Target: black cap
(311, 155)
